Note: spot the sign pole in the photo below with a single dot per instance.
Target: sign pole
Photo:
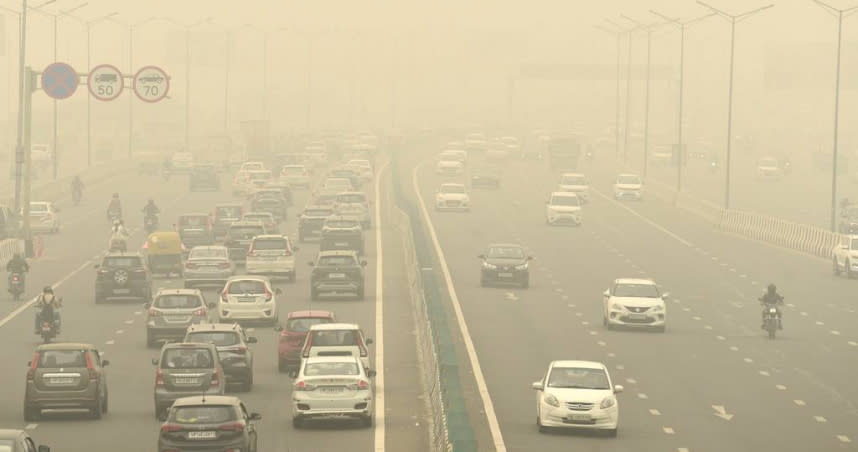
(22, 73)
(55, 125)
(29, 85)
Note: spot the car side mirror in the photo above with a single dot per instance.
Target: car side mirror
(371, 373)
(105, 363)
(363, 263)
(44, 449)
(607, 293)
(251, 340)
(254, 417)
(537, 385)
(146, 305)
(618, 389)
(369, 341)
(154, 361)
(278, 328)
(278, 291)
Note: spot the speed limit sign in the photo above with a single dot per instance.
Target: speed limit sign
(105, 82)
(151, 84)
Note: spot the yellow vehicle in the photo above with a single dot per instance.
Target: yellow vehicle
(164, 251)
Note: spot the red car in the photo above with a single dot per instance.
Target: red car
(292, 337)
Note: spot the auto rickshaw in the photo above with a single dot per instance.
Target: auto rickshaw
(163, 251)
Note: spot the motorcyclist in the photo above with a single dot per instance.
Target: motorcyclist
(17, 265)
(77, 186)
(118, 235)
(150, 209)
(46, 299)
(772, 299)
(114, 206)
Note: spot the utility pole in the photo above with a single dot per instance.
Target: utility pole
(617, 33)
(23, 73)
(839, 13)
(733, 18)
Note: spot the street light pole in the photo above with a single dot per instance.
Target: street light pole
(840, 14)
(54, 101)
(733, 18)
(19, 149)
(618, 35)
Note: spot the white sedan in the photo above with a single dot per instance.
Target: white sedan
(332, 387)
(577, 394)
(248, 298)
(628, 186)
(44, 217)
(452, 197)
(635, 303)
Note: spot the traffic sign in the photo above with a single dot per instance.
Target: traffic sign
(151, 84)
(105, 82)
(59, 80)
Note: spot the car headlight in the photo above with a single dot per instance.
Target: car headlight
(617, 307)
(489, 266)
(658, 308)
(521, 267)
(551, 400)
(608, 402)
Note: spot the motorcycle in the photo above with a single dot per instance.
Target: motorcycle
(150, 223)
(114, 215)
(16, 285)
(771, 320)
(47, 325)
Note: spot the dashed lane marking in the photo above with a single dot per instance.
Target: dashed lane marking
(721, 338)
(120, 331)
(765, 373)
(601, 343)
(799, 402)
(835, 332)
(844, 439)
(748, 360)
(631, 381)
(129, 322)
(820, 323)
(654, 412)
(620, 367)
(708, 327)
(820, 419)
(781, 387)
(734, 348)
(642, 396)
(853, 343)
(668, 430)
(110, 342)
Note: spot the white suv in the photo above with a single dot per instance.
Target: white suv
(271, 255)
(452, 197)
(248, 298)
(575, 183)
(628, 186)
(846, 256)
(635, 303)
(563, 208)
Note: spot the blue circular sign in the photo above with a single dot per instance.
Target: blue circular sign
(60, 81)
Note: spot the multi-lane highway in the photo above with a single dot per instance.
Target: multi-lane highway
(712, 382)
(118, 329)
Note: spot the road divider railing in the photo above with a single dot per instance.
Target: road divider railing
(60, 189)
(777, 231)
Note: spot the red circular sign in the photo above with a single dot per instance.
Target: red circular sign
(151, 84)
(105, 82)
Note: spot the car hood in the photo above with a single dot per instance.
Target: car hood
(453, 196)
(449, 164)
(628, 186)
(638, 302)
(594, 396)
(574, 187)
(565, 209)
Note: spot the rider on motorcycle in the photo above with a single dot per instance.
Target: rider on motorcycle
(114, 206)
(77, 186)
(46, 299)
(772, 299)
(17, 265)
(151, 210)
(118, 235)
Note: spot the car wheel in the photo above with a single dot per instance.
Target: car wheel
(314, 294)
(542, 428)
(613, 432)
(297, 422)
(95, 411)
(150, 341)
(848, 269)
(360, 293)
(836, 267)
(104, 403)
(604, 321)
(31, 414)
(608, 325)
(366, 421)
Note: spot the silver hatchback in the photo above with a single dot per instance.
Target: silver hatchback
(186, 369)
(208, 266)
(171, 313)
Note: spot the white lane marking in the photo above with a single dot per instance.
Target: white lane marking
(765, 373)
(844, 439)
(585, 323)
(668, 430)
(749, 360)
(120, 331)
(620, 367)
(820, 323)
(642, 396)
(488, 406)
(110, 342)
(559, 290)
(579, 314)
(379, 318)
(853, 343)
(835, 332)
(714, 258)
(601, 343)
(754, 283)
(646, 220)
(593, 333)
(721, 338)
(686, 309)
(781, 387)
(654, 412)
(708, 327)
(564, 297)
(820, 419)
(129, 322)
(734, 348)
(31, 426)
(138, 312)
(803, 313)
(683, 449)
(56, 285)
(612, 355)
(696, 318)
(631, 381)
(743, 276)
(799, 402)
(721, 412)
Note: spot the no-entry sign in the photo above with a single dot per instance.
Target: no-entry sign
(105, 82)
(151, 84)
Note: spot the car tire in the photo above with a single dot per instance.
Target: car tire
(95, 411)
(297, 422)
(836, 267)
(314, 294)
(539, 426)
(105, 403)
(613, 432)
(608, 325)
(360, 295)
(366, 421)
(848, 269)
(31, 414)
(150, 341)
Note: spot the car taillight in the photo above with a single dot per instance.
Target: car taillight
(223, 296)
(237, 427)
(215, 378)
(303, 386)
(268, 295)
(223, 265)
(33, 365)
(159, 377)
(154, 312)
(170, 428)
(15, 278)
(363, 385)
(240, 350)
(363, 351)
(191, 265)
(90, 366)
(251, 253)
(201, 311)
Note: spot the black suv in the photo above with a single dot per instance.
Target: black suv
(122, 275)
(225, 215)
(231, 343)
(204, 177)
(341, 232)
(311, 220)
(239, 236)
(337, 272)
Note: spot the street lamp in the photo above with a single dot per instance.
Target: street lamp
(264, 67)
(682, 26)
(840, 14)
(618, 34)
(733, 18)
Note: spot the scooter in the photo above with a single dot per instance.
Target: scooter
(16, 285)
(114, 215)
(771, 320)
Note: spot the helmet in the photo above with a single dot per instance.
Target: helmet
(151, 201)
(116, 195)
(48, 289)
(772, 288)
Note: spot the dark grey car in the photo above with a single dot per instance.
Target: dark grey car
(66, 376)
(337, 272)
(213, 423)
(231, 343)
(171, 313)
(186, 369)
(505, 263)
(239, 236)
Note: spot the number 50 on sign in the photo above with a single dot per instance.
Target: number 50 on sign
(151, 84)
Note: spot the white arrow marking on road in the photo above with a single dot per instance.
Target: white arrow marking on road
(781, 387)
(668, 430)
(31, 426)
(819, 419)
(654, 412)
(721, 412)
(799, 402)
(844, 439)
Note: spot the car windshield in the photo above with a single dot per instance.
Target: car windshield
(578, 378)
(629, 180)
(246, 286)
(452, 189)
(218, 338)
(260, 175)
(228, 212)
(505, 252)
(334, 338)
(303, 324)
(245, 232)
(293, 170)
(38, 207)
(208, 414)
(770, 162)
(187, 358)
(573, 180)
(318, 212)
(193, 221)
(52, 359)
(341, 224)
(121, 262)
(336, 261)
(351, 198)
(270, 244)
(178, 302)
(565, 201)
(331, 369)
(207, 253)
(636, 290)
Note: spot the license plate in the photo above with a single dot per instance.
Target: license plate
(331, 389)
(337, 275)
(187, 381)
(340, 243)
(269, 258)
(504, 275)
(246, 299)
(61, 381)
(638, 316)
(121, 290)
(202, 435)
(579, 418)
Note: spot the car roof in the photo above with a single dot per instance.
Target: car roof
(187, 345)
(10, 434)
(248, 277)
(246, 223)
(572, 174)
(209, 247)
(564, 193)
(505, 245)
(309, 314)
(270, 236)
(206, 400)
(335, 326)
(337, 253)
(628, 174)
(65, 346)
(634, 281)
(178, 292)
(580, 364)
(452, 184)
(330, 359)
(213, 327)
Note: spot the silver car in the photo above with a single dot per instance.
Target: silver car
(171, 313)
(332, 387)
(208, 266)
(186, 369)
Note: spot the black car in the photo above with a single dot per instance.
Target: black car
(341, 232)
(275, 206)
(121, 275)
(208, 422)
(485, 176)
(337, 272)
(505, 263)
(195, 229)
(204, 177)
(225, 215)
(311, 221)
(231, 342)
(19, 441)
(239, 236)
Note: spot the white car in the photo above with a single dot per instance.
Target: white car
(628, 186)
(353, 209)
(449, 167)
(768, 168)
(252, 166)
(332, 387)
(44, 217)
(635, 303)
(577, 394)
(563, 208)
(182, 161)
(452, 197)
(248, 298)
(271, 255)
(576, 183)
(846, 256)
(337, 339)
(295, 175)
